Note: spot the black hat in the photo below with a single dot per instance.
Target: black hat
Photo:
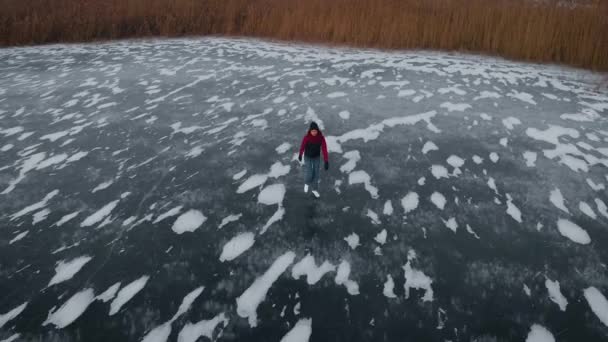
(313, 125)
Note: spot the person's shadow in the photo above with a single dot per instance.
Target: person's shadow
(310, 223)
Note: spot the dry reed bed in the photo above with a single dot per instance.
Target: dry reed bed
(518, 29)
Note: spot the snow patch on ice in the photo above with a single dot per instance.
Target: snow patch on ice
(237, 246)
(100, 214)
(188, 221)
(309, 268)
(410, 202)
(300, 332)
(573, 232)
(127, 293)
(555, 294)
(557, 199)
(71, 309)
(247, 303)
(65, 270)
(438, 200)
(342, 278)
(597, 302)
(352, 240)
(362, 177)
(416, 279)
(538, 333)
(12, 314)
(429, 146)
(389, 287)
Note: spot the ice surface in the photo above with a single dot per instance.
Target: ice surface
(127, 293)
(247, 303)
(389, 287)
(415, 279)
(272, 194)
(237, 246)
(189, 221)
(538, 333)
(71, 309)
(494, 157)
(65, 270)
(556, 197)
(300, 332)
(244, 116)
(99, 215)
(438, 200)
(410, 202)
(12, 314)
(352, 240)
(573, 232)
(309, 268)
(597, 302)
(555, 294)
(192, 332)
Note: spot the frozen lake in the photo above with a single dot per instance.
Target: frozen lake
(150, 190)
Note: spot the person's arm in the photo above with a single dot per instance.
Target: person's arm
(302, 147)
(325, 154)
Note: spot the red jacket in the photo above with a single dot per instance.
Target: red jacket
(312, 146)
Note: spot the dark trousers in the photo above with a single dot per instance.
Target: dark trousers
(311, 169)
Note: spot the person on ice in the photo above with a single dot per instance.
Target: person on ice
(312, 146)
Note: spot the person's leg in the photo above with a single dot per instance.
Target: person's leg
(316, 162)
(308, 171)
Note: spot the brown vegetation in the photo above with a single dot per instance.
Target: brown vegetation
(521, 29)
